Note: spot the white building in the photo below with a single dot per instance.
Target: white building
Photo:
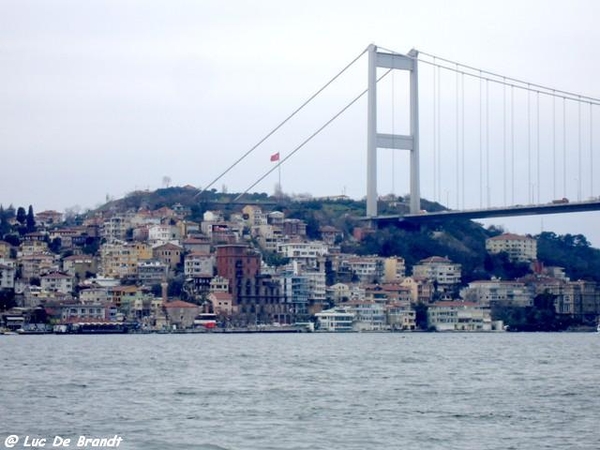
(401, 316)
(115, 228)
(307, 254)
(335, 319)
(163, 234)
(368, 269)
(459, 316)
(494, 292)
(57, 282)
(439, 269)
(369, 316)
(7, 274)
(198, 265)
(518, 248)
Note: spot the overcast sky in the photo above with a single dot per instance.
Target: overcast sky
(100, 98)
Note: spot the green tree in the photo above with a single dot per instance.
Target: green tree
(4, 223)
(7, 299)
(421, 316)
(30, 220)
(21, 215)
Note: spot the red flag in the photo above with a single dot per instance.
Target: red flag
(275, 157)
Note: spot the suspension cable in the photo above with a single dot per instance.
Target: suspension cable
(512, 81)
(307, 140)
(274, 130)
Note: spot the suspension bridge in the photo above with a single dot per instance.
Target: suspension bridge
(496, 146)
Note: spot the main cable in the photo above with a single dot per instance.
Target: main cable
(287, 119)
(570, 95)
(307, 140)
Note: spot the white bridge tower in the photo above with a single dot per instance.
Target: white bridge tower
(395, 141)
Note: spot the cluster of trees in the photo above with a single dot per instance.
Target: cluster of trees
(541, 316)
(16, 223)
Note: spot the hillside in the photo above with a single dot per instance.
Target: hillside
(462, 241)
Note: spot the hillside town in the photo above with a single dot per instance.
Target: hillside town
(143, 270)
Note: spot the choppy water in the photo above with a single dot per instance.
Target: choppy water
(305, 391)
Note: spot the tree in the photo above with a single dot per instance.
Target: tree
(4, 223)
(7, 299)
(30, 220)
(21, 216)
(55, 245)
(421, 315)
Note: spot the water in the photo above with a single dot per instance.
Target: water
(304, 391)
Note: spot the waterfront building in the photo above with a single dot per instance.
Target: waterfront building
(368, 315)
(335, 319)
(401, 316)
(239, 264)
(180, 314)
(498, 293)
(459, 316)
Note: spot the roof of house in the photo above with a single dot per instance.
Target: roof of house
(511, 237)
(435, 259)
(180, 304)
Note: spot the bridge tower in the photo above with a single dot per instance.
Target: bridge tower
(395, 141)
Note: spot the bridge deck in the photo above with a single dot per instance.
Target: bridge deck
(509, 211)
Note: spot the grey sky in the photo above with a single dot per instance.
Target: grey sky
(103, 97)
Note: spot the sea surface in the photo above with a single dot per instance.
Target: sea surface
(303, 391)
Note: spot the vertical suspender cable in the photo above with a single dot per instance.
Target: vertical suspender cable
(457, 142)
(480, 140)
(591, 152)
(462, 82)
(579, 181)
(393, 137)
(538, 146)
(504, 140)
(487, 142)
(553, 146)
(512, 144)
(439, 133)
(529, 146)
(564, 147)
(434, 131)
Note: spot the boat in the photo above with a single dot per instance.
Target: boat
(206, 321)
